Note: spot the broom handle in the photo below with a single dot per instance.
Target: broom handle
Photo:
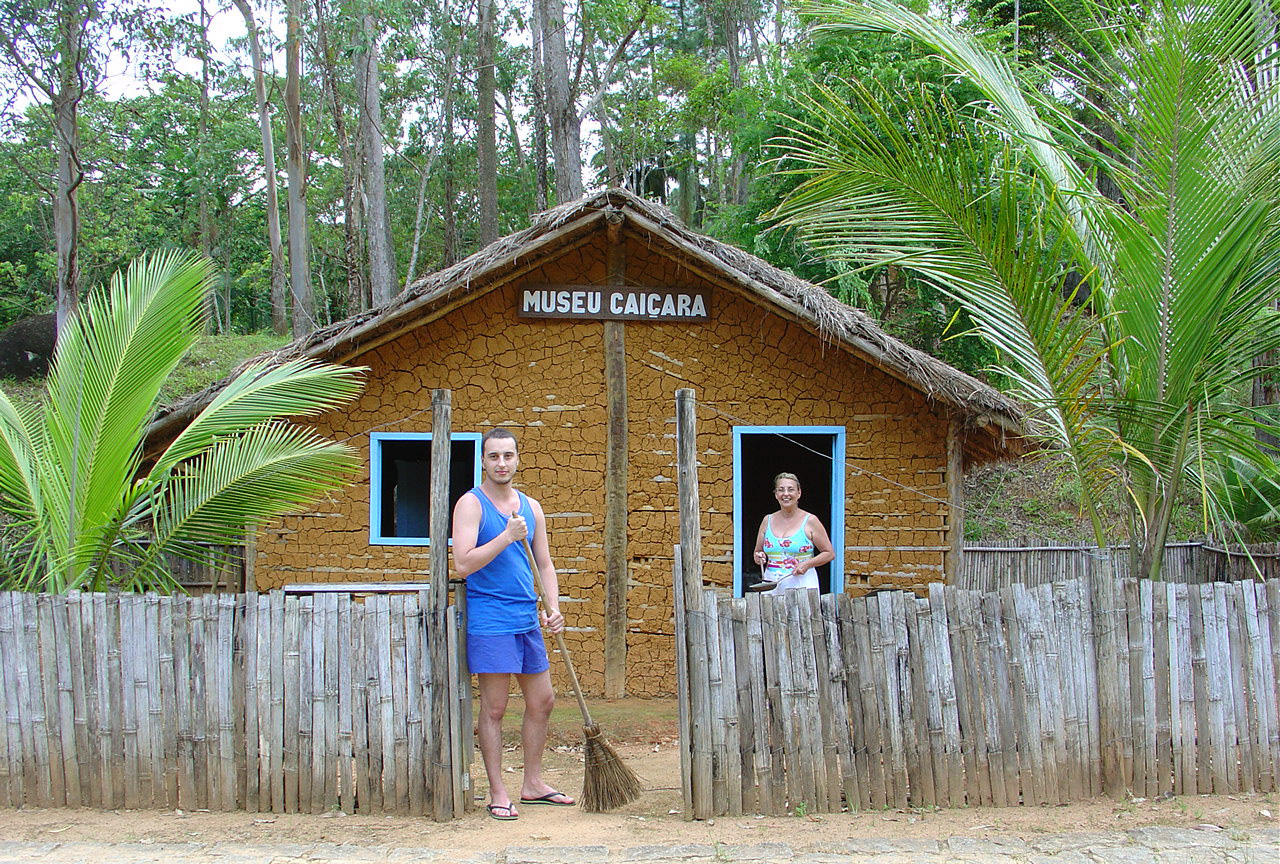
(564, 649)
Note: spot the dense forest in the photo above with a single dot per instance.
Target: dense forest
(1075, 199)
(325, 154)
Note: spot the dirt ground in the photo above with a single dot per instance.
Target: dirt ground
(644, 734)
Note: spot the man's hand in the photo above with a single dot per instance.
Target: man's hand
(552, 620)
(517, 529)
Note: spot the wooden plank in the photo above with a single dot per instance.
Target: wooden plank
(1052, 708)
(346, 708)
(264, 672)
(715, 681)
(691, 569)
(760, 719)
(834, 728)
(1257, 695)
(367, 735)
(1087, 682)
(871, 654)
(1270, 628)
(920, 710)
(442, 709)
(386, 705)
(241, 685)
(460, 715)
(225, 703)
(320, 738)
(1062, 621)
(48, 653)
(893, 629)
(1182, 695)
(1269, 734)
(854, 729)
(76, 602)
(1025, 702)
(158, 641)
(114, 685)
(1161, 595)
(20, 752)
(947, 740)
(779, 776)
(812, 749)
(59, 633)
(276, 731)
(1200, 688)
(1009, 791)
(962, 626)
(130, 653)
(248, 640)
(399, 731)
(1239, 734)
(183, 781)
(730, 719)
(1104, 602)
(305, 703)
(414, 704)
(1220, 683)
(291, 731)
(744, 756)
(196, 615)
(684, 719)
(10, 759)
(1145, 709)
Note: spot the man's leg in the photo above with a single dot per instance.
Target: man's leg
(494, 690)
(539, 699)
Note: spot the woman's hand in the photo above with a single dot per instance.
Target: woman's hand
(760, 558)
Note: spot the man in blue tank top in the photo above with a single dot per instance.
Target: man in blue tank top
(490, 523)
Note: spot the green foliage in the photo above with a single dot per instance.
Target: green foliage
(85, 506)
(1135, 385)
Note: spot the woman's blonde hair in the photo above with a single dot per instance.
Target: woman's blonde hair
(786, 475)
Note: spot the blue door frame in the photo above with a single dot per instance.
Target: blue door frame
(835, 529)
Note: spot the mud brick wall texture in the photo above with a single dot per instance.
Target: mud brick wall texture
(544, 379)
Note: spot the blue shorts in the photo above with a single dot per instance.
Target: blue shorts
(519, 653)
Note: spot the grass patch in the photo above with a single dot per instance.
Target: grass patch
(214, 358)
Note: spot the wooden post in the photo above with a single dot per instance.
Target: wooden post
(615, 477)
(953, 560)
(691, 569)
(1104, 600)
(442, 779)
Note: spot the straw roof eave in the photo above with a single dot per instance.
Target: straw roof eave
(566, 225)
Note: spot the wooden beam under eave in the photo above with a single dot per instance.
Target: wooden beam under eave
(953, 560)
(616, 576)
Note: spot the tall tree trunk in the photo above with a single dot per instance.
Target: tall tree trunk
(540, 157)
(207, 228)
(448, 214)
(486, 128)
(562, 113)
(279, 284)
(352, 218)
(66, 205)
(419, 219)
(382, 276)
(304, 311)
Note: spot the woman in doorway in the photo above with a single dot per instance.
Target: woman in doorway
(791, 543)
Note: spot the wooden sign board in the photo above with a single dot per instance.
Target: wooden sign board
(613, 303)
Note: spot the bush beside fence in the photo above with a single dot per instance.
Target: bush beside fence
(1024, 696)
(256, 702)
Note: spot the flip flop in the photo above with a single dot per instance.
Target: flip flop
(549, 798)
(509, 813)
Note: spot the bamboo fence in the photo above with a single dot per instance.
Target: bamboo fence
(259, 702)
(993, 567)
(1022, 696)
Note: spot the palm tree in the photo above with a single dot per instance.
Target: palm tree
(1127, 324)
(83, 505)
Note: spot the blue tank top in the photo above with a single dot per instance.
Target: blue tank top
(500, 595)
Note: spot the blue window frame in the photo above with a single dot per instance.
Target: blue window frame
(400, 483)
(816, 454)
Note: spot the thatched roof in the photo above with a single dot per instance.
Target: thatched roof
(570, 225)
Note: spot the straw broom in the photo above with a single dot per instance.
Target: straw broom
(607, 782)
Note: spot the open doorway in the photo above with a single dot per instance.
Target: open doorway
(815, 454)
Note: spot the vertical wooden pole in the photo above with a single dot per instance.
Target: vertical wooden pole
(443, 771)
(953, 560)
(615, 477)
(691, 569)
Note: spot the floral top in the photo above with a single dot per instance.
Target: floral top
(784, 553)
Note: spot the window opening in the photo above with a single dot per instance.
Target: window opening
(400, 483)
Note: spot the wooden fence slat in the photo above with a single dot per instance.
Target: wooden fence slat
(225, 702)
(917, 711)
(856, 791)
(1240, 690)
(400, 731)
(13, 704)
(780, 775)
(760, 717)
(320, 739)
(683, 708)
(969, 697)
(250, 648)
(866, 626)
(413, 708)
(835, 707)
(731, 720)
(1271, 630)
(1004, 696)
(1162, 661)
(810, 716)
(291, 680)
(306, 703)
(744, 756)
(346, 708)
(1222, 675)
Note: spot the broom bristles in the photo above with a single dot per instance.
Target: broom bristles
(607, 782)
